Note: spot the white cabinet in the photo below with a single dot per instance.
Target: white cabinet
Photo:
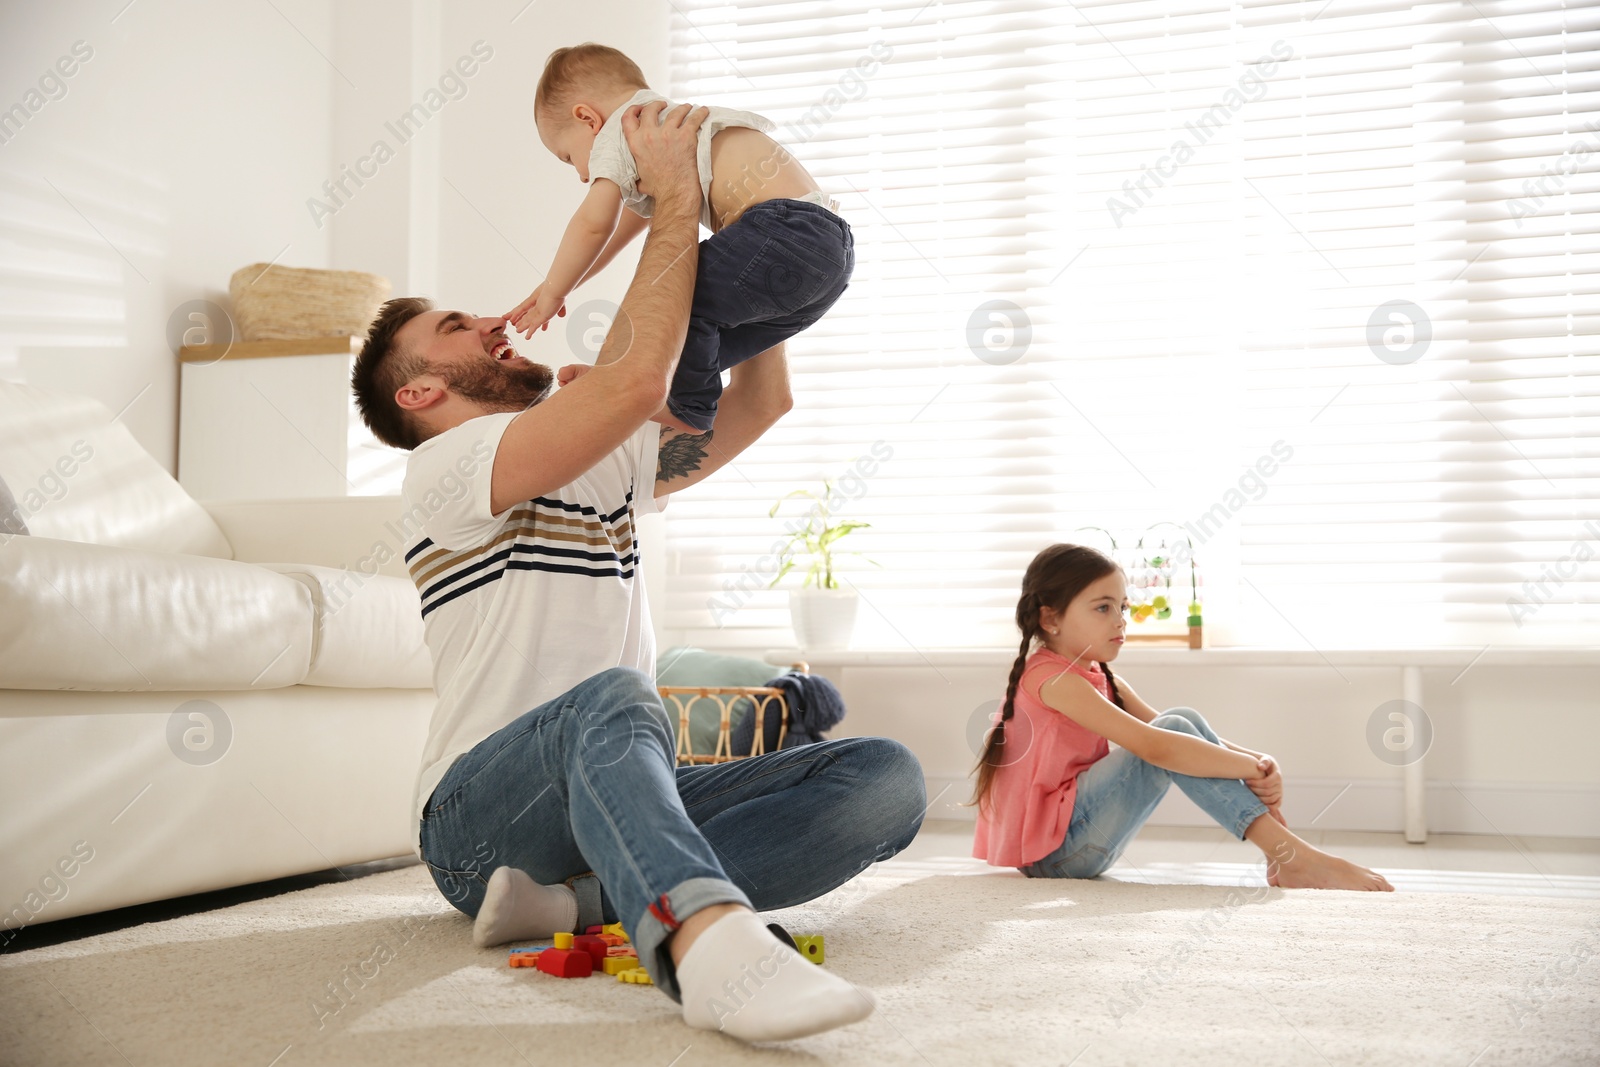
(270, 420)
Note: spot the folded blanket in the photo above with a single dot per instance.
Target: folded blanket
(815, 706)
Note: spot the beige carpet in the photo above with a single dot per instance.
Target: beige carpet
(969, 967)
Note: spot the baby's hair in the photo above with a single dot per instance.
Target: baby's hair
(1056, 576)
(583, 67)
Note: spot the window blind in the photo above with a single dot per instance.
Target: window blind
(1271, 271)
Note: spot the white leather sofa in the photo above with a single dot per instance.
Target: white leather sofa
(191, 697)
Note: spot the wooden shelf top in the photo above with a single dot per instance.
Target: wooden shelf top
(299, 346)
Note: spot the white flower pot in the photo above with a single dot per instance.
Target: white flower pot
(823, 618)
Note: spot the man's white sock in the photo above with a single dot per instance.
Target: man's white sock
(516, 908)
(740, 979)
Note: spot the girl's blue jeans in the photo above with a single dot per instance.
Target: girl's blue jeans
(1117, 794)
(585, 789)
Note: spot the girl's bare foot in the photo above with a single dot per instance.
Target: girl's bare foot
(1306, 867)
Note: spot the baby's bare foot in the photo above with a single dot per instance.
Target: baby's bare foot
(1310, 868)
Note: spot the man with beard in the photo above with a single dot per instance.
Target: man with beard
(572, 814)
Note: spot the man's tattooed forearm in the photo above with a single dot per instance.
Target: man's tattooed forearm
(681, 454)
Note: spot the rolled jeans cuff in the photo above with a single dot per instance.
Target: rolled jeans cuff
(1249, 815)
(586, 887)
(664, 916)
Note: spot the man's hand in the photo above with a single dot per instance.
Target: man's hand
(665, 147)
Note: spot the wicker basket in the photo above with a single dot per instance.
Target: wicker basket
(273, 303)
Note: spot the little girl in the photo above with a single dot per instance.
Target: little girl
(779, 255)
(1055, 801)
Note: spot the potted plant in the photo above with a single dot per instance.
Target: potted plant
(823, 614)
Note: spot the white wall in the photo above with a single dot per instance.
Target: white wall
(504, 200)
(194, 138)
(181, 151)
(1513, 750)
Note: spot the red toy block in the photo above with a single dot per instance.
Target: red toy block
(566, 962)
(591, 944)
(595, 930)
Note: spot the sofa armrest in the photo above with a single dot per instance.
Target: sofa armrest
(355, 532)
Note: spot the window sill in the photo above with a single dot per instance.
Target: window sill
(1241, 656)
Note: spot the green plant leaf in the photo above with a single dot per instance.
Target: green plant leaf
(833, 533)
(785, 569)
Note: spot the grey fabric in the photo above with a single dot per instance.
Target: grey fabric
(586, 887)
(11, 520)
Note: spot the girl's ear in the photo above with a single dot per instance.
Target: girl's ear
(1049, 618)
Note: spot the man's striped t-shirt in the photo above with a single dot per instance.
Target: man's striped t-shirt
(521, 606)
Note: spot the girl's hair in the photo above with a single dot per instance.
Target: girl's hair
(1054, 578)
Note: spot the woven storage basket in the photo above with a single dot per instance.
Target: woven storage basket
(272, 303)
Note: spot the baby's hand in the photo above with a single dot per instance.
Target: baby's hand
(536, 312)
(572, 372)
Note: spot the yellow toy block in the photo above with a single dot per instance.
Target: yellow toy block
(810, 946)
(635, 976)
(563, 940)
(618, 964)
(616, 928)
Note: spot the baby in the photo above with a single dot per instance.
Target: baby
(778, 257)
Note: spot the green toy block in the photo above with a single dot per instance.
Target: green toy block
(810, 946)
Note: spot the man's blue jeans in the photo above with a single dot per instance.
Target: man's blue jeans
(1117, 794)
(587, 783)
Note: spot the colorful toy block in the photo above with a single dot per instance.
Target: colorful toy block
(566, 963)
(618, 964)
(591, 944)
(623, 950)
(612, 940)
(810, 946)
(563, 940)
(524, 959)
(636, 976)
(616, 930)
(594, 930)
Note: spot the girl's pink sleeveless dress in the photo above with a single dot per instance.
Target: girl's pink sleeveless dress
(1029, 806)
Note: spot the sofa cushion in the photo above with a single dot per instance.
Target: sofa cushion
(78, 475)
(368, 632)
(97, 617)
(681, 665)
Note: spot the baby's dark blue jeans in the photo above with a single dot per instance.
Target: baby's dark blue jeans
(770, 275)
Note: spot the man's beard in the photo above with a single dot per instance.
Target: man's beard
(507, 385)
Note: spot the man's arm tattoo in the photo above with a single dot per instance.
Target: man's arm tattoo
(681, 454)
